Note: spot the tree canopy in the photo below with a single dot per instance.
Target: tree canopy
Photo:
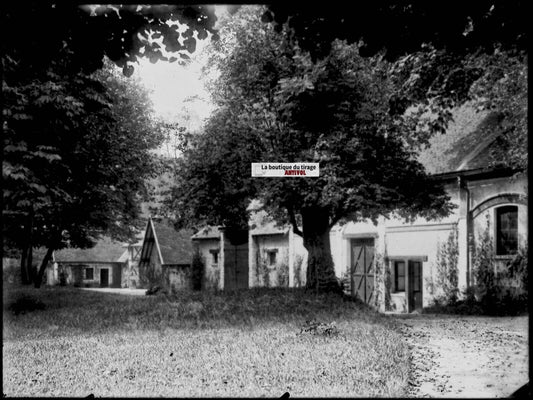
(56, 32)
(447, 52)
(404, 27)
(76, 153)
(76, 140)
(277, 104)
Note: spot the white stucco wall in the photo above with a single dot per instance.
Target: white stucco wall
(212, 270)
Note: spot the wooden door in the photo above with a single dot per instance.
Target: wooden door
(241, 267)
(415, 286)
(236, 267)
(362, 281)
(104, 277)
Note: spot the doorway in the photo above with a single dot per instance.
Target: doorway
(104, 277)
(415, 286)
(362, 279)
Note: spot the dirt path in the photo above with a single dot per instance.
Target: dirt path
(464, 356)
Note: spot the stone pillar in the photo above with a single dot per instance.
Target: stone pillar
(381, 256)
(251, 263)
(462, 242)
(291, 257)
(221, 259)
(462, 235)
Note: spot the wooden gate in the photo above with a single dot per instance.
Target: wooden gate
(362, 281)
(236, 267)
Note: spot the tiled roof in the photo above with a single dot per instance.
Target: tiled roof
(209, 232)
(465, 144)
(176, 246)
(105, 250)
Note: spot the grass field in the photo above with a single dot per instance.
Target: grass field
(246, 343)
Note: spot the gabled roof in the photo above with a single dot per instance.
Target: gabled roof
(466, 143)
(173, 247)
(105, 250)
(209, 232)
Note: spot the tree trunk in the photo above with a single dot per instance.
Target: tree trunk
(26, 272)
(320, 270)
(29, 262)
(39, 276)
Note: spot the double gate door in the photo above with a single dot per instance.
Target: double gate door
(362, 279)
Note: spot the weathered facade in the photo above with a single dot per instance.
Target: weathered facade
(165, 257)
(394, 265)
(225, 256)
(100, 266)
(276, 255)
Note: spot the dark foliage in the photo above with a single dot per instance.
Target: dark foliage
(198, 271)
(26, 304)
(402, 27)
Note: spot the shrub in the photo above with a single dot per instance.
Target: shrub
(345, 282)
(445, 287)
(262, 272)
(298, 261)
(197, 270)
(26, 304)
(149, 276)
(517, 269)
(62, 278)
(483, 268)
(283, 275)
(380, 288)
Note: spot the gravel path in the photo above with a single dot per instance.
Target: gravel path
(466, 356)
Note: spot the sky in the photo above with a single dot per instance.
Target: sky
(179, 89)
(171, 85)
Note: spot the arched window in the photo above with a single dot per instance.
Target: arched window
(506, 230)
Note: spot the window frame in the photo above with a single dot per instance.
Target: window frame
(214, 257)
(396, 275)
(272, 253)
(498, 231)
(86, 270)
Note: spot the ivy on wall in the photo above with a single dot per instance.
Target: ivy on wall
(380, 289)
(445, 286)
(298, 262)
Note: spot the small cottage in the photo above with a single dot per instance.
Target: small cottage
(276, 254)
(99, 266)
(166, 256)
(225, 257)
(395, 265)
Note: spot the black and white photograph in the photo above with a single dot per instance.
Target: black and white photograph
(285, 199)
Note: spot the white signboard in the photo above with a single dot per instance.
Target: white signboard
(297, 169)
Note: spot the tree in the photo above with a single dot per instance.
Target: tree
(447, 52)
(404, 27)
(56, 115)
(76, 154)
(277, 104)
(83, 35)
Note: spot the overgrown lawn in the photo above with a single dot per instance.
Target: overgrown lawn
(68, 342)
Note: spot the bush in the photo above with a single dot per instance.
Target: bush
(26, 304)
(283, 275)
(298, 261)
(493, 293)
(445, 287)
(197, 271)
